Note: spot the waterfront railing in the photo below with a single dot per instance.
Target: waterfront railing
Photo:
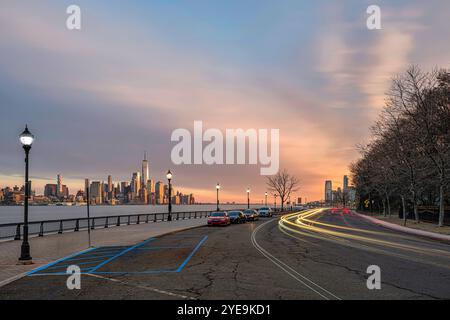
(59, 226)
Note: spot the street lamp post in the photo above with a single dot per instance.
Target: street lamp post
(26, 138)
(248, 198)
(217, 189)
(275, 203)
(169, 178)
(88, 211)
(265, 198)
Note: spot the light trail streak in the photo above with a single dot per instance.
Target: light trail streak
(299, 221)
(305, 281)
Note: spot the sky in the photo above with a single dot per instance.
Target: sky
(98, 97)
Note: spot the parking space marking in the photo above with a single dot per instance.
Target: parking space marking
(58, 261)
(120, 254)
(70, 264)
(94, 258)
(192, 254)
(164, 248)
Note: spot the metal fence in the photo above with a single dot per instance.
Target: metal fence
(40, 228)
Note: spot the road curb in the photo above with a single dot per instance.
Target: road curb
(396, 227)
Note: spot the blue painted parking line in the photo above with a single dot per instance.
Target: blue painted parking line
(91, 257)
(163, 248)
(192, 254)
(137, 272)
(107, 252)
(177, 270)
(95, 259)
(71, 264)
(121, 254)
(58, 261)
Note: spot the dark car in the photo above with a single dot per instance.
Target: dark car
(218, 219)
(237, 217)
(251, 215)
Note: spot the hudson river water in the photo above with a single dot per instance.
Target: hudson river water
(36, 213)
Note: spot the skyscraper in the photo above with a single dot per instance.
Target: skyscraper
(50, 190)
(328, 191)
(59, 187)
(345, 184)
(96, 193)
(159, 192)
(110, 188)
(135, 185)
(145, 171)
(150, 191)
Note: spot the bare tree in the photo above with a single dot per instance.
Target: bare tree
(409, 154)
(283, 184)
(423, 98)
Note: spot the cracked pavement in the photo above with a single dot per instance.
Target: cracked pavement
(228, 267)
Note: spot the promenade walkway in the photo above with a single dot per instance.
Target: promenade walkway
(53, 247)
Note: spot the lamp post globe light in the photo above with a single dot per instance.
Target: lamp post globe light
(27, 139)
(265, 199)
(217, 189)
(169, 176)
(248, 198)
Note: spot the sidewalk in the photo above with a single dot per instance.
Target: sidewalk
(409, 230)
(52, 247)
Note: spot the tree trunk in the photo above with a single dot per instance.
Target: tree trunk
(416, 213)
(388, 205)
(404, 211)
(384, 207)
(441, 205)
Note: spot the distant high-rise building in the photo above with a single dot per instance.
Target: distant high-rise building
(50, 190)
(145, 171)
(123, 185)
(150, 189)
(135, 185)
(59, 187)
(328, 191)
(65, 191)
(345, 184)
(96, 193)
(110, 188)
(159, 192)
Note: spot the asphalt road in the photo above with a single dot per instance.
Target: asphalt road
(321, 256)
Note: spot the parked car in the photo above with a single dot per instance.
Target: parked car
(265, 212)
(251, 215)
(237, 217)
(219, 218)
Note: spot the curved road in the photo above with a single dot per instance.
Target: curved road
(314, 254)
